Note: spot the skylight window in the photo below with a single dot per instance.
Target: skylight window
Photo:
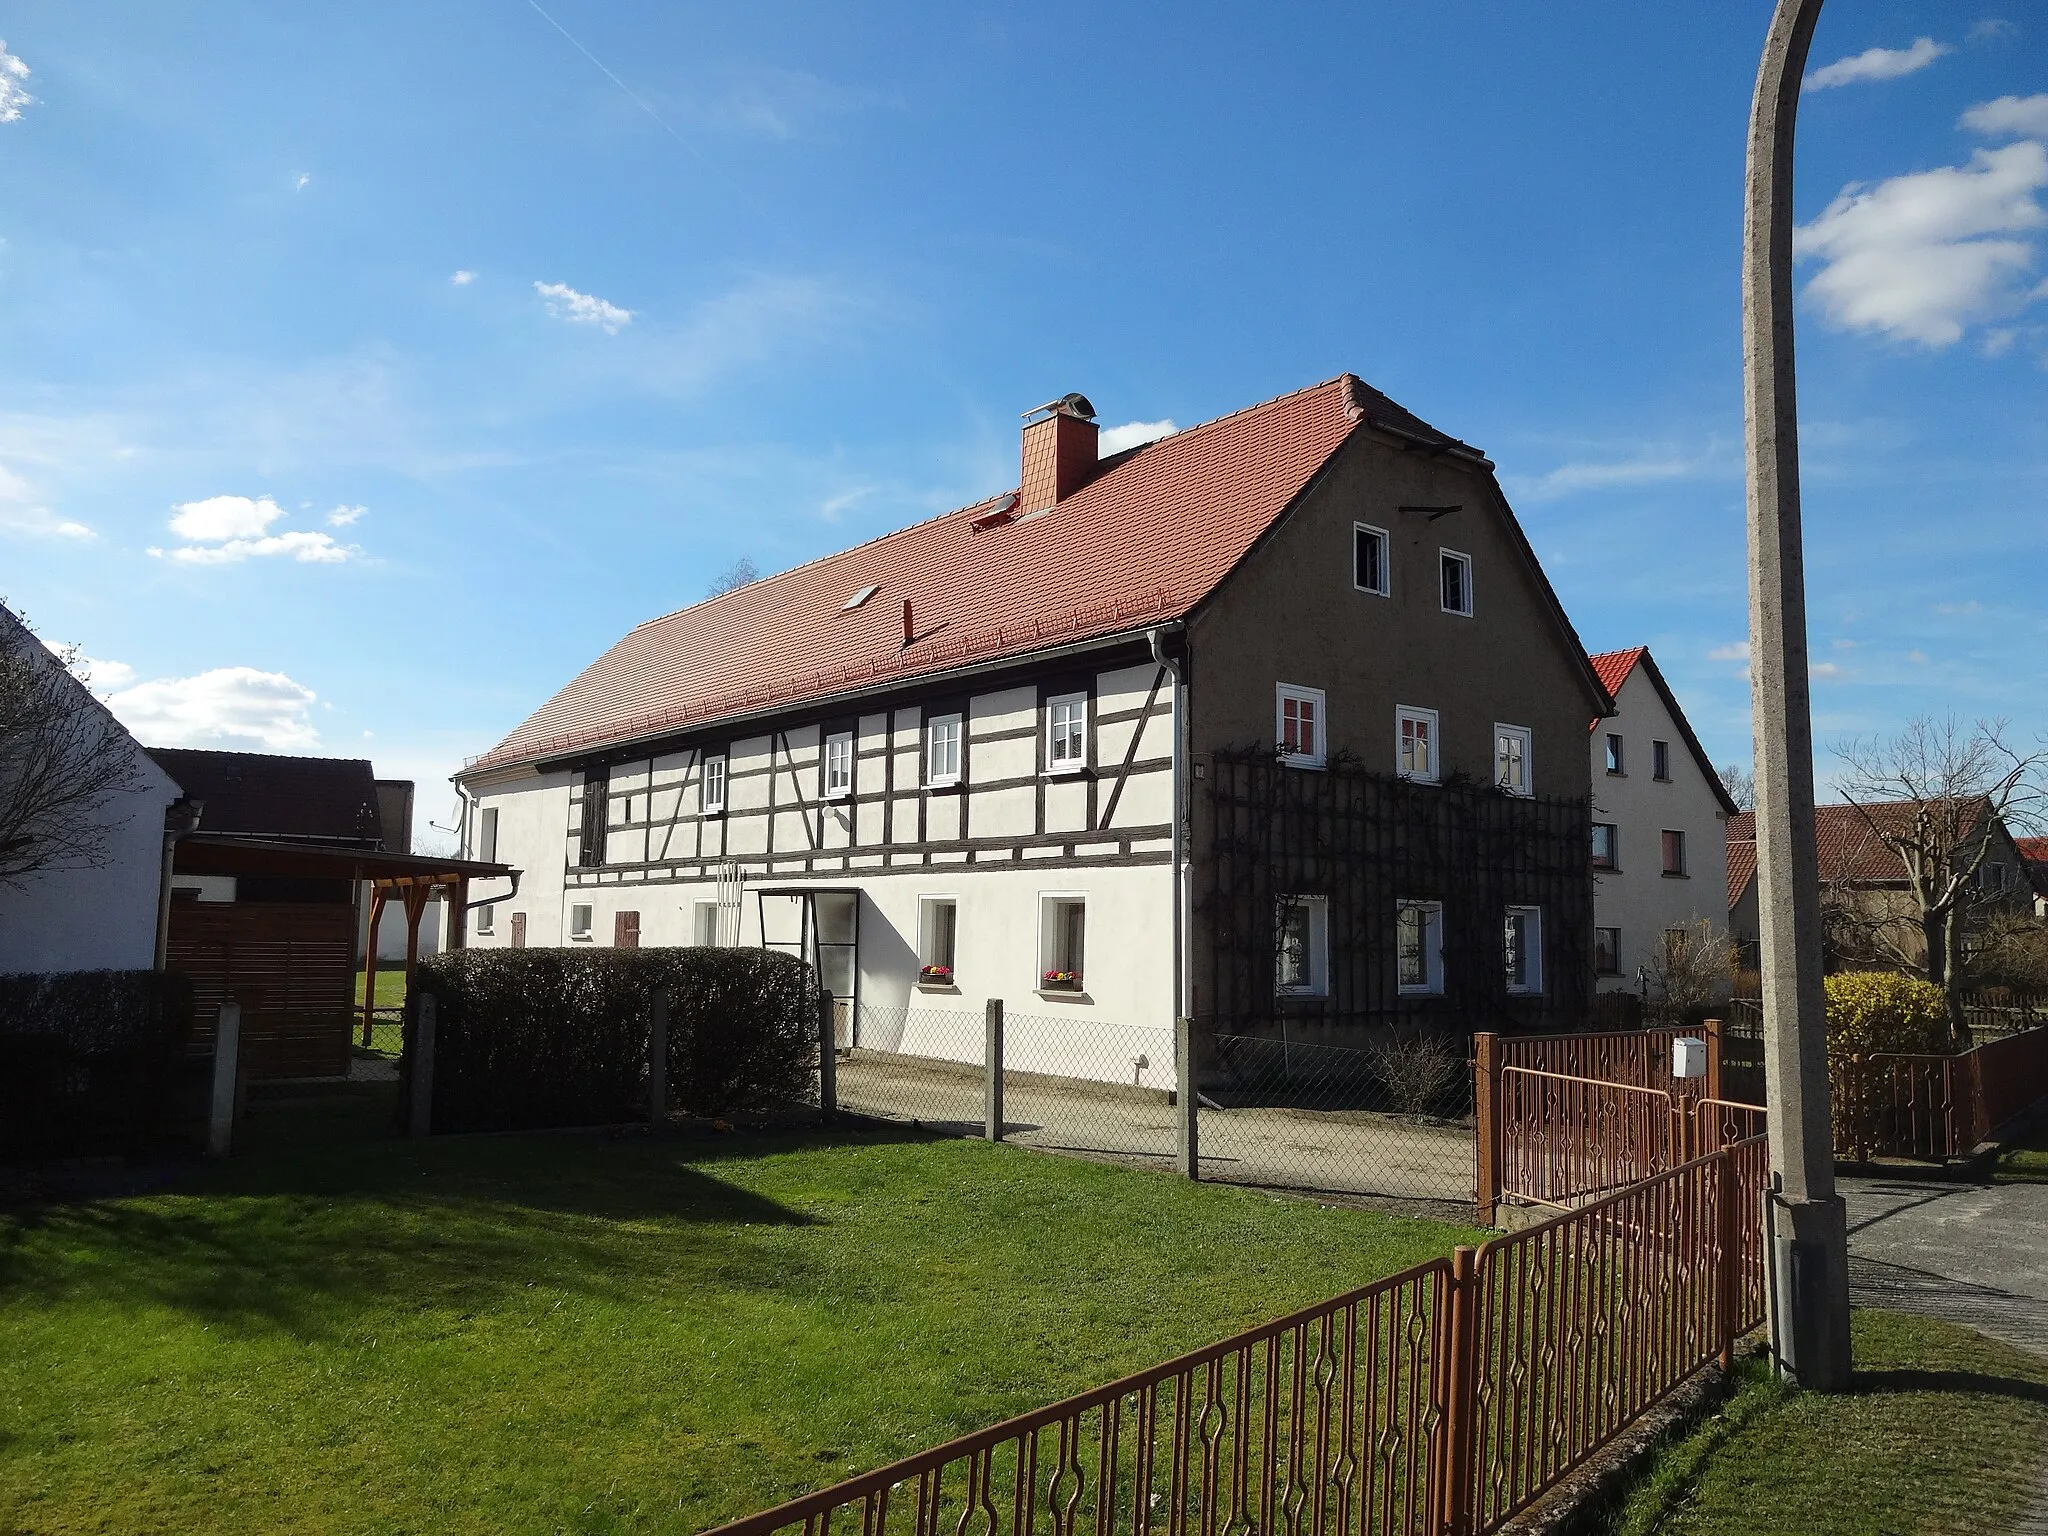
(860, 597)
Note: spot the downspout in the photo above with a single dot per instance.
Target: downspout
(1155, 638)
(180, 817)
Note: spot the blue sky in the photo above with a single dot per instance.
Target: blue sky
(366, 369)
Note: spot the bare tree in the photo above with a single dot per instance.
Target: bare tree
(1695, 967)
(1740, 784)
(64, 761)
(741, 573)
(1934, 796)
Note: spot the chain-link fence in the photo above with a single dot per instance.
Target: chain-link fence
(1390, 1120)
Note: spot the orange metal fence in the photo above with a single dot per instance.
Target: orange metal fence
(1640, 1057)
(1441, 1401)
(1935, 1107)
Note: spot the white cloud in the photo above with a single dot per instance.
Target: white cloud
(1739, 651)
(21, 513)
(13, 94)
(1644, 469)
(101, 675)
(229, 707)
(462, 277)
(1877, 64)
(1132, 433)
(1825, 669)
(1992, 29)
(565, 303)
(1920, 256)
(834, 507)
(2014, 116)
(299, 183)
(224, 517)
(223, 530)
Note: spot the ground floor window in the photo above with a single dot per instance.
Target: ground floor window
(1419, 946)
(579, 922)
(938, 926)
(1303, 963)
(1607, 951)
(1062, 942)
(704, 924)
(1522, 949)
(484, 920)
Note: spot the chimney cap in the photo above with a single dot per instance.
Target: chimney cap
(1067, 405)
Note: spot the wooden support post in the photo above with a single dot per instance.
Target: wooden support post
(370, 966)
(828, 1058)
(657, 1062)
(1728, 1219)
(992, 1070)
(1486, 1115)
(1184, 1097)
(1711, 1028)
(1461, 1389)
(227, 1057)
(458, 914)
(419, 1060)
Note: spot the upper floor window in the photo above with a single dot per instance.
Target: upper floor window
(942, 750)
(1674, 853)
(1415, 750)
(1066, 733)
(838, 765)
(1419, 946)
(1660, 760)
(711, 790)
(1511, 753)
(1992, 878)
(487, 839)
(1615, 761)
(1522, 949)
(1606, 850)
(1369, 571)
(1299, 726)
(1302, 965)
(1457, 582)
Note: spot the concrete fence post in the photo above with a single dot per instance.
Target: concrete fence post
(1184, 1097)
(828, 1058)
(420, 1057)
(992, 1069)
(1486, 1116)
(227, 1059)
(657, 1061)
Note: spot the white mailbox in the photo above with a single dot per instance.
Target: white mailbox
(1688, 1057)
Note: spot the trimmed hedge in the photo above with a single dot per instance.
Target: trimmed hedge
(530, 1038)
(91, 1061)
(1872, 1011)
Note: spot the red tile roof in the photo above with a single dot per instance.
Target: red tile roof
(1741, 863)
(2035, 851)
(1143, 542)
(1849, 845)
(1613, 667)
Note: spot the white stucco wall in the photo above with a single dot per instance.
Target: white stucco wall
(1638, 898)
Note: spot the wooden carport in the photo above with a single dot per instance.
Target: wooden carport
(285, 947)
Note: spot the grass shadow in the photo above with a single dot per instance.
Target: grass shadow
(1976, 1383)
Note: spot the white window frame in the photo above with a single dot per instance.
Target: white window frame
(1532, 950)
(1527, 739)
(1386, 548)
(1464, 583)
(927, 907)
(954, 729)
(838, 756)
(487, 835)
(699, 908)
(1052, 936)
(486, 922)
(1293, 693)
(580, 922)
(1054, 763)
(711, 802)
(1403, 713)
(1317, 983)
(1432, 983)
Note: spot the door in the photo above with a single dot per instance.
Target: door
(519, 930)
(626, 930)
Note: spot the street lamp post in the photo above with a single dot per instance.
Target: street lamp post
(1808, 1250)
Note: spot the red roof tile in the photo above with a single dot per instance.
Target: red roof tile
(1847, 838)
(1143, 542)
(1613, 667)
(1741, 864)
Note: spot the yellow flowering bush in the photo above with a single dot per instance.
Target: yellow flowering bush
(1881, 1011)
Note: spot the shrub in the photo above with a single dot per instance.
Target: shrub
(528, 1038)
(1418, 1071)
(90, 1061)
(1872, 1011)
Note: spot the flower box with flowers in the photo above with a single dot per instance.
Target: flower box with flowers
(1061, 981)
(935, 976)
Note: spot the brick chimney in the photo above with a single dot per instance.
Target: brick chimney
(1059, 452)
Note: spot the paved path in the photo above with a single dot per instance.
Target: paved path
(1975, 1254)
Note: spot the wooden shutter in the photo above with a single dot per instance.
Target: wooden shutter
(596, 812)
(519, 930)
(626, 930)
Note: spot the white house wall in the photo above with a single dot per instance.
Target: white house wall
(1638, 897)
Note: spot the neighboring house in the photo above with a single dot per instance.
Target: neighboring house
(944, 764)
(1867, 897)
(1660, 816)
(2034, 851)
(101, 918)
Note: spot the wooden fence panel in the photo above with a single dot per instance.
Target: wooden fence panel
(289, 964)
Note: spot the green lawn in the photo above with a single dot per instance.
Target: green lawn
(2025, 1161)
(387, 1035)
(588, 1334)
(1943, 1434)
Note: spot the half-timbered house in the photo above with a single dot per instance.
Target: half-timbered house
(1274, 719)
